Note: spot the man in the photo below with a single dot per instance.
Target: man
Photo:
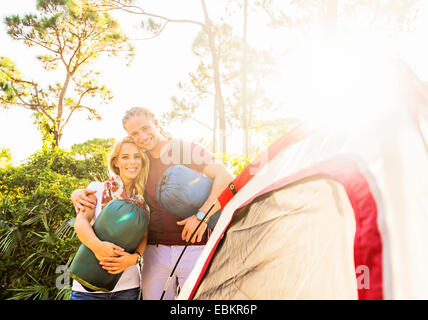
(167, 233)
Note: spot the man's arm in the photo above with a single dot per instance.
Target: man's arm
(81, 199)
(221, 179)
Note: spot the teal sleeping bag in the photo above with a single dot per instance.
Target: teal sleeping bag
(120, 222)
(182, 191)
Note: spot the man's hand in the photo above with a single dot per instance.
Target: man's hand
(190, 225)
(80, 199)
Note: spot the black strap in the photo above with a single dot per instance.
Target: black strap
(182, 252)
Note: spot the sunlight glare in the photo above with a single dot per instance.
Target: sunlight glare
(342, 86)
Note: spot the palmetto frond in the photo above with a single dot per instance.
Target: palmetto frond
(66, 230)
(34, 292)
(9, 241)
(63, 294)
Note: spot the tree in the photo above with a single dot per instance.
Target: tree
(201, 88)
(155, 24)
(73, 35)
(197, 90)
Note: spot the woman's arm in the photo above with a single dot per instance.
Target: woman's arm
(87, 236)
(124, 260)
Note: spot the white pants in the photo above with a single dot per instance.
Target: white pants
(159, 260)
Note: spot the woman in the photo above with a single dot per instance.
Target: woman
(130, 166)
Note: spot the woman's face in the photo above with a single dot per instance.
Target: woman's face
(129, 162)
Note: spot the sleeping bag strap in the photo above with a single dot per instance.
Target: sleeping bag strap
(182, 252)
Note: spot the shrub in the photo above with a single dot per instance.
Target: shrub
(36, 220)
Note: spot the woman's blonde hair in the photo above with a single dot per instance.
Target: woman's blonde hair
(141, 179)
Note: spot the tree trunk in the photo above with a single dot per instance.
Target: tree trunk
(244, 84)
(219, 101)
(329, 18)
(214, 150)
(57, 138)
(57, 129)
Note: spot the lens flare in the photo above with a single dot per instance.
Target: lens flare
(126, 217)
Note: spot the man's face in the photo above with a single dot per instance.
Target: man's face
(144, 132)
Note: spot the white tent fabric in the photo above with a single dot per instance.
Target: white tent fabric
(317, 257)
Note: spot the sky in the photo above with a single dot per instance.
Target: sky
(149, 81)
(152, 77)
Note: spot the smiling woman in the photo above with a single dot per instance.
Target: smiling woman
(112, 247)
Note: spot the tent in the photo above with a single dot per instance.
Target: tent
(326, 215)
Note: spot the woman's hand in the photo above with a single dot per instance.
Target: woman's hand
(122, 261)
(105, 249)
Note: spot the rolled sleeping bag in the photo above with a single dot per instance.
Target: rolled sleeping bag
(120, 222)
(182, 191)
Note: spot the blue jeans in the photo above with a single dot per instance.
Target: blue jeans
(130, 294)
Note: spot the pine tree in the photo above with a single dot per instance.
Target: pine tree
(73, 35)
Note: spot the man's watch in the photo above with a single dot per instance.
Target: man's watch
(200, 216)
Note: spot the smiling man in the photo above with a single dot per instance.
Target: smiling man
(167, 233)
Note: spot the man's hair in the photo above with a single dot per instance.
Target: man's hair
(141, 111)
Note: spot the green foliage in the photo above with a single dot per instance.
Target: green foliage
(37, 217)
(93, 153)
(237, 162)
(6, 87)
(5, 157)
